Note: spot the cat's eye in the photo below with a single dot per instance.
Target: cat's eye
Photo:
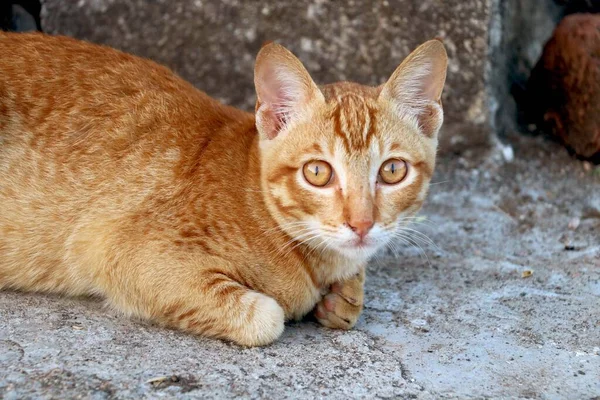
(317, 173)
(393, 171)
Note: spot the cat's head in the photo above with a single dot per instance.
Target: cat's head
(345, 166)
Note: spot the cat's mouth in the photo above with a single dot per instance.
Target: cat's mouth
(359, 248)
(359, 243)
(357, 254)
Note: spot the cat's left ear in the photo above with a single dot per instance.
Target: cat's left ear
(415, 87)
(284, 90)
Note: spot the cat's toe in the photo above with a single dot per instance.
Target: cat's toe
(335, 312)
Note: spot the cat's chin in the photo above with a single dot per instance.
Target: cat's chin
(358, 251)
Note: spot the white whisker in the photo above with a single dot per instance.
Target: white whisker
(437, 183)
(420, 235)
(413, 243)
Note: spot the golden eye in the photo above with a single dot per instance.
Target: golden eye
(393, 171)
(317, 173)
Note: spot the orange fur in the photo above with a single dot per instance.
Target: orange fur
(119, 179)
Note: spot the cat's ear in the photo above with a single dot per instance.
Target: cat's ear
(415, 87)
(284, 89)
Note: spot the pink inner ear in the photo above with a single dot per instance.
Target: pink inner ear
(271, 123)
(429, 88)
(279, 106)
(277, 100)
(284, 89)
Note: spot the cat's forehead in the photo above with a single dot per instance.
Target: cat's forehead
(334, 91)
(353, 113)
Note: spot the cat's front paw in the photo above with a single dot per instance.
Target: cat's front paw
(341, 308)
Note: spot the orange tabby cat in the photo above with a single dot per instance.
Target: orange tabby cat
(119, 179)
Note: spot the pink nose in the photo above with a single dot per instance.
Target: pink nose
(361, 227)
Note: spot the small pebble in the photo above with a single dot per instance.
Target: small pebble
(526, 273)
(587, 166)
(508, 153)
(566, 238)
(574, 223)
(420, 324)
(575, 246)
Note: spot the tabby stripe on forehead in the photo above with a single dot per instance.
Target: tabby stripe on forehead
(372, 113)
(337, 128)
(354, 122)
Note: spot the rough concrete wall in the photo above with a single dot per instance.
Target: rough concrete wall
(213, 43)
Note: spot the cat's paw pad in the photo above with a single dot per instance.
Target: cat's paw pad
(337, 311)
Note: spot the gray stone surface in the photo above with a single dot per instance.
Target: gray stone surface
(460, 320)
(212, 43)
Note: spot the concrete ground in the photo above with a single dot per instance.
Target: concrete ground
(461, 319)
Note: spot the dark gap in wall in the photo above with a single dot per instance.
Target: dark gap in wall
(523, 29)
(578, 6)
(20, 15)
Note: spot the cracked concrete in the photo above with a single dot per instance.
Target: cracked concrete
(461, 319)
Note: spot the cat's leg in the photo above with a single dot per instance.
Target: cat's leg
(342, 306)
(204, 301)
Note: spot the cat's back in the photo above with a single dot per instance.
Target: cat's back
(70, 90)
(90, 136)
(37, 65)
(70, 109)
(44, 75)
(80, 121)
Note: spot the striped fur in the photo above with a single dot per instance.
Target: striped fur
(119, 179)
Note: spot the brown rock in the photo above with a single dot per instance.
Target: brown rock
(212, 43)
(565, 84)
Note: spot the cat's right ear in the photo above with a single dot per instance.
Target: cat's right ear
(415, 88)
(284, 90)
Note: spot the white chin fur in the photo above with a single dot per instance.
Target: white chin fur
(376, 239)
(358, 253)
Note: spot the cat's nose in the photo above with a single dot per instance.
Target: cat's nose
(361, 227)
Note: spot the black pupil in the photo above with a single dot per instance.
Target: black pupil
(316, 170)
(393, 168)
